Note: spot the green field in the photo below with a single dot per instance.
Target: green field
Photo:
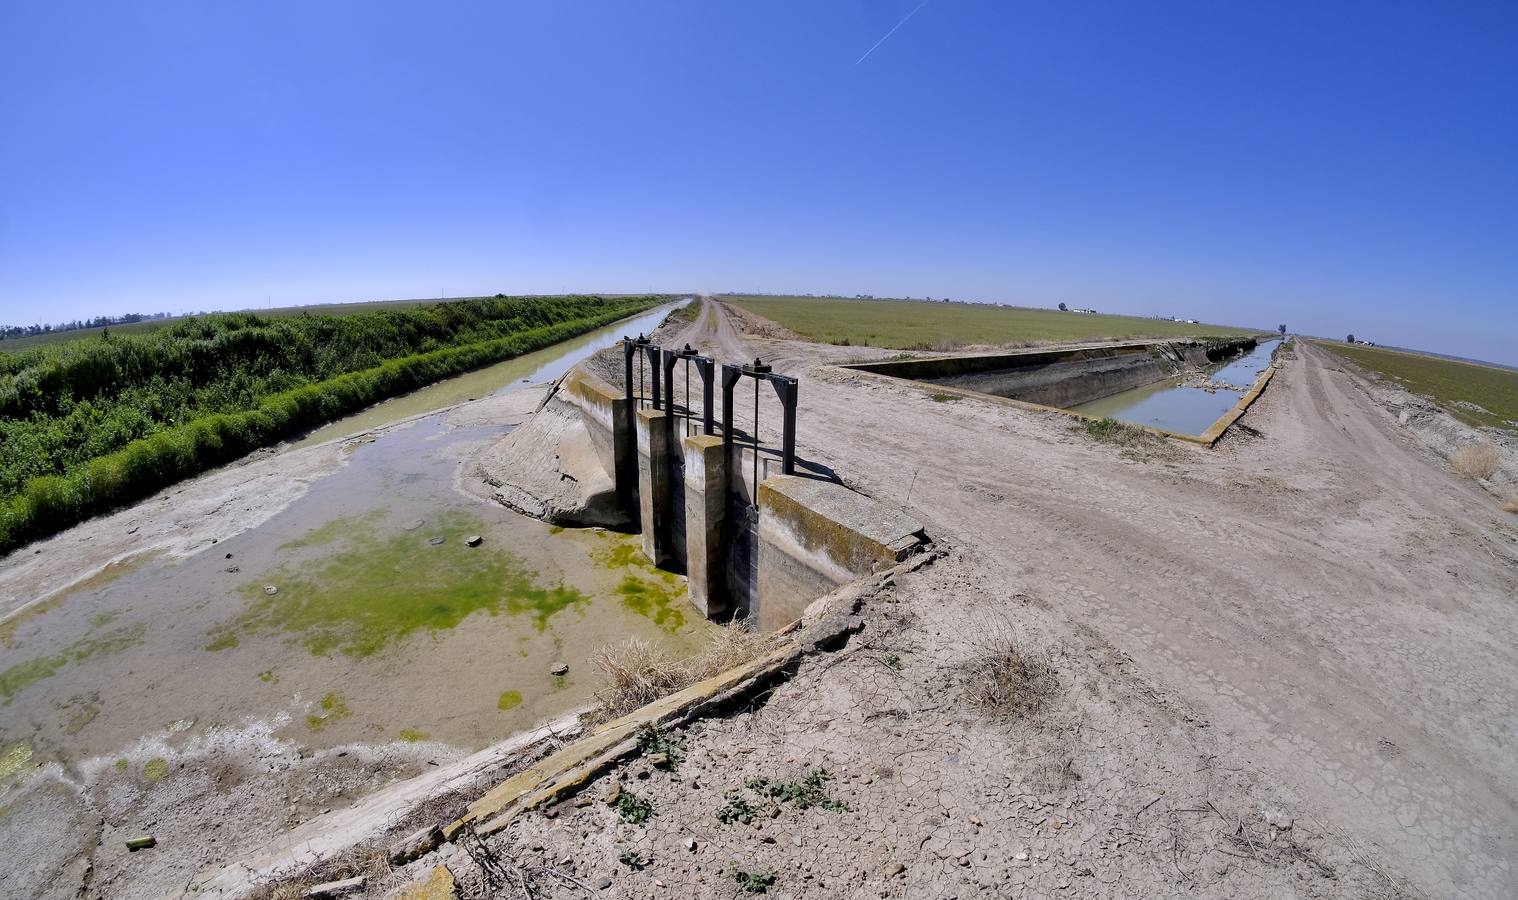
(924, 325)
(91, 423)
(1474, 393)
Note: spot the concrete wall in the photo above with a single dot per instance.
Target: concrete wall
(607, 415)
(1062, 378)
(815, 536)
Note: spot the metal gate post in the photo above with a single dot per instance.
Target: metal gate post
(654, 351)
(786, 388)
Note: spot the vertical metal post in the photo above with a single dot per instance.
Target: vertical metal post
(705, 367)
(787, 389)
(653, 351)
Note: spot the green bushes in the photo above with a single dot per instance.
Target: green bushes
(89, 425)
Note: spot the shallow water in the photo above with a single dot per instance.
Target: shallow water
(383, 624)
(1182, 408)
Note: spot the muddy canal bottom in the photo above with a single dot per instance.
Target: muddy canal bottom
(364, 612)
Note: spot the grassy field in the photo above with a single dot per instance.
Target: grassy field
(86, 425)
(1473, 393)
(923, 325)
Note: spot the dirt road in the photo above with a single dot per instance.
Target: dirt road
(1339, 606)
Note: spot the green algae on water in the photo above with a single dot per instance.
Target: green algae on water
(378, 586)
(268, 677)
(333, 707)
(509, 700)
(412, 736)
(22, 675)
(226, 640)
(653, 601)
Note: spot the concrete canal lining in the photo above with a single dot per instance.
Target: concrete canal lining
(1054, 380)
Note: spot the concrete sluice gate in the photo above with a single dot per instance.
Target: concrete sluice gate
(755, 543)
(1063, 380)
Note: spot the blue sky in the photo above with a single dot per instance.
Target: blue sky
(1337, 167)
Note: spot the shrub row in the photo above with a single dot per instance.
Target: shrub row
(48, 504)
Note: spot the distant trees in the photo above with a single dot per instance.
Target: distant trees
(1063, 308)
(1281, 328)
(1350, 339)
(16, 331)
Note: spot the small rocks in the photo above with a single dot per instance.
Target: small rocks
(604, 883)
(414, 524)
(270, 589)
(613, 793)
(440, 885)
(659, 760)
(232, 570)
(559, 668)
(436, 542)
(1278, 818)
(894, 869)
(336, 888)
(473, 540)
(144, 842)
(690, 844)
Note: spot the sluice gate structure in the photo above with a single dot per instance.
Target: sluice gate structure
(759, 532)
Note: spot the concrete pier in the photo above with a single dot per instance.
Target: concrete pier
(705, 506)
(654, 485)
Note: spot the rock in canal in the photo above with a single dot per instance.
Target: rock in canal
(270, 589)
(145, 842)
(435, 541)
(473, 540)
(560, 668)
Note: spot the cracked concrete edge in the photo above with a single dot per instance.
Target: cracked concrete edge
(572, 767)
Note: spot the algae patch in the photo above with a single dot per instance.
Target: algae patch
(155, 770)
(653, 601)
(412, 736)
(509, 700)
(14, 760)
(333, 706)
(378, 586)
(22, 675)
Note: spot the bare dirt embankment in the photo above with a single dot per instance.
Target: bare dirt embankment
(1281, 667)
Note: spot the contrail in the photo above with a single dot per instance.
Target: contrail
(892, 31)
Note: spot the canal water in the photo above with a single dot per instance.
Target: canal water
(1175, 405)
(384, 605)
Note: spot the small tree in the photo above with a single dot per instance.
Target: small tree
(1281, 328)
(1063, 308)
(1350, 339)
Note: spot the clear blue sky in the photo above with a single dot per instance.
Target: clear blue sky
(1337, 167)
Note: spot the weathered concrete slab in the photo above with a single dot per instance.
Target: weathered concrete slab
(815, 536)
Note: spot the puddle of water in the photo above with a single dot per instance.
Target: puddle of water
(1179, 407)
(375, 630)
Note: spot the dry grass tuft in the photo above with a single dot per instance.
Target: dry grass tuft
(1008, 680)
(636, 672)
(1475, 461)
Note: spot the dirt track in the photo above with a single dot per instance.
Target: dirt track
(1335, 603)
